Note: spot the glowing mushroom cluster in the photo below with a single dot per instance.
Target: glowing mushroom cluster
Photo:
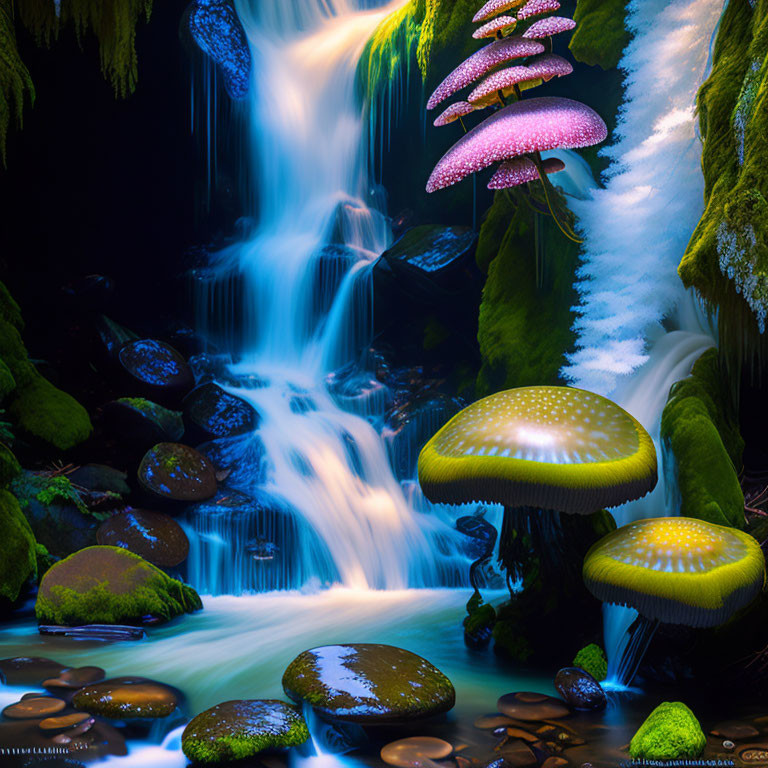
(493, 7)
(548, 27)
(496, 26)
(537, 8)
(455, 112)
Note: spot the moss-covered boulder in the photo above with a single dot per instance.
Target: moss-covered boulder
(601, 34)
(591, 658)
(237, 730)
(108, 585)
(671, 732)
(699, 426)
(9, 466)
(18, 555)
(368, 683)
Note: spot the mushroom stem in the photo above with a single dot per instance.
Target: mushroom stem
(640, 635)
(518, 92)
(564, 228)
(463, 127)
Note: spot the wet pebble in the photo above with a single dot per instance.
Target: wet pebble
(28, 670)
(735, 730)
(127, 698)
(579, 689)
(34, 708)
(177, 472)
(528, 705)
(72, 725)
(413, 751)
(75, 678)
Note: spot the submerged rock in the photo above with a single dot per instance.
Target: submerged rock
(108, 585)
(368, 683)
(177, 472)
(415, 751)
(34, 708)
(579, 689)
(211, 412)
(75, 678)
(154, 536)
(531, 706)
(125, 698)
(156, 367)
(242, 459)
(236, 730)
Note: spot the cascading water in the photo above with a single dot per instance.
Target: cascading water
(305, 283)
(640, 331)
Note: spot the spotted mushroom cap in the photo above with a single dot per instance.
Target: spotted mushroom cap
(493, 27)
(677, 570)
(520, 170)
(555, 448)
(537, 8)
(453, 113)
(499, 80)
(494, 7)
(550, 65)
(482, 62)
(553, 25)
(532, 125)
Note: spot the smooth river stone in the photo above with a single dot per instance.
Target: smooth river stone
(76, 677)
(123, 698)
(155, 536)
(580, 690)
(528, 706)
(735, 730)
(368, 684)
(178, 472)
(73, 725)
(413, 751)
(242, 729)
(156, 366)
(34, 708)
(28, 670)
(211, 412)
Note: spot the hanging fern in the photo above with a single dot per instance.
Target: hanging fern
(15, 82)
(112, 21)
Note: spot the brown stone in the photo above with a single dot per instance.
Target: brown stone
(515, 754)
(155, 536)
(735, 730)
(73, 725)
(76, 677)
(34, 709)
(127, 697)
(177, 472)
(491, 722)
(28, 670)
(530, 706)
(413, 751)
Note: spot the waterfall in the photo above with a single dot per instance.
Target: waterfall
(303, 292)
(638, 330)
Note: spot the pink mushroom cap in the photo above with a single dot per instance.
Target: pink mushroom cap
(552, 25)
(499, 80)
(548, 66)
(493, 7)
(493, 27)
(532, 125)
(482, 62)
(520, 170)
(454, 112)
(537, 8)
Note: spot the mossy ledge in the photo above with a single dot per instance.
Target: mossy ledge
(601, 34)
(109, 585)
(699, 427)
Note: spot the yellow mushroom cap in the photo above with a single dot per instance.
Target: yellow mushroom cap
(556, 448)
(677, 570)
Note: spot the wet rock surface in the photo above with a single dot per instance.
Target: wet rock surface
(155, 536)
(529, 705)
(142, 423)
(415, 750)
(242, 729)
(123, 698)
(579, 689)
(240, 462)
(211, 412)
(368, 683)
(177, 472)
(156, 368)
(28, 670)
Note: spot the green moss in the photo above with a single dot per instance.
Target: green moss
(18, 555)
(727, 258)
(524, 330)
(671, 732)
(59, 489)
(44, 559)
(592, 659)
(601, 35)
(109, 585)
(699, 426)
(7, 382)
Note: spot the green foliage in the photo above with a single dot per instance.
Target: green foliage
(727, 258)
(524, 330)
(671, 732)
(699, 425)
(44, 559)
(18, 554)
(592, 659)
(15, 82)
(9, 466)
(601, 34)
(59, 489)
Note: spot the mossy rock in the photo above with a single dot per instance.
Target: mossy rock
(18, 555)
(7, 382)
(109, 585)
(699, 426)
(142, 423)
(237, 730)
(671, 732)
(592, 659)
(177, 472)
(601, 34)
(368, 684)
(9, 466)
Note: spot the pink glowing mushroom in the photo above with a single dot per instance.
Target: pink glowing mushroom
(532, 125)
(553, 25)
(548, 66)
(495, 27)
(482, 62)
(488, 90)
(537, 8)
(520, 170)
(453, 113)
(494, 7)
